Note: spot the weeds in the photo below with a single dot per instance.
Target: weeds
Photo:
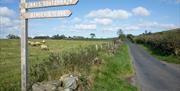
(78, 60)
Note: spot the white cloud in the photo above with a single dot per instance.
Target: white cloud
(141, 11)
(154, 25)
(5, 11)
(8, 26)
(85, 26)
(8, 23)
(141, 26)
(157, 25)
(103, 21)
(108, 13)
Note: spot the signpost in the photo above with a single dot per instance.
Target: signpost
(24, 6)
(48, 3)
(47, 14)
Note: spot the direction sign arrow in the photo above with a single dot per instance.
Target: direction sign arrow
(47, 14)
(48, 3)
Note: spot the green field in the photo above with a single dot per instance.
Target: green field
(10, 57)
(75, 50)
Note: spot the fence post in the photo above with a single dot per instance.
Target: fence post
(96, 47)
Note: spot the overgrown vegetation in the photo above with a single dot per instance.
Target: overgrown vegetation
(112, 75)
(64, 57)
(165, 45)
(38, 60)
(77, 61)
(167, 58)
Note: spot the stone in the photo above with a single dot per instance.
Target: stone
(69, 82)
(66, 83)
(47, 86)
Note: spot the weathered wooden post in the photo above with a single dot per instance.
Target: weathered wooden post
(24, 6)
(24, 49)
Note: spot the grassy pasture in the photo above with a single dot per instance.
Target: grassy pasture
(112, 74)
(10, 57)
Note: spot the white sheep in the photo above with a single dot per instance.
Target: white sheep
(32, 43)
(43, 41)
(29, 42)
(44, 47)
(38, 43)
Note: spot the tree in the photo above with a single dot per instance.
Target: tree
(58, 36)
(29, 37)
(41, 37)
(92, 35)
(149, 33)
(130, 37)
(120, 34)
(12, 36)
(146, 32)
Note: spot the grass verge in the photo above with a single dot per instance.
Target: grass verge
(112, 75)
(167, 58)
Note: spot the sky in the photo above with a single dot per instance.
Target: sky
(102, 17)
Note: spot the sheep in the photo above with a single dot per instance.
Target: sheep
(44, 47)
(34, 43)
(29, 42)
(43, 41)
(38, 43)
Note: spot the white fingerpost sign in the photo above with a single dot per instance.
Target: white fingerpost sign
(47, 14)
(24, 6)
(49, 3)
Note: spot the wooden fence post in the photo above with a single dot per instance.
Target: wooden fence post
(24, 50)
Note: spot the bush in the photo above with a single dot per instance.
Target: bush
(166, 43)
(77, 60)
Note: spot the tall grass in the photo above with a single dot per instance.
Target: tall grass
(112, 75)
(74, 61)
(43, 65)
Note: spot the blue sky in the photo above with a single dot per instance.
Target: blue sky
(102, 17)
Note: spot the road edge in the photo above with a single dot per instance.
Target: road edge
(135, 80)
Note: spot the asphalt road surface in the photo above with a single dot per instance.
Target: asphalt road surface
(152, 74)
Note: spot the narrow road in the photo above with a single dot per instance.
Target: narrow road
(152, 74)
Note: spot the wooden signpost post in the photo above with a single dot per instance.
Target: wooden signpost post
(24, 6)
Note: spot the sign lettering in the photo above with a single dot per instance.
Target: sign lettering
(49, 3)
(47, 14)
